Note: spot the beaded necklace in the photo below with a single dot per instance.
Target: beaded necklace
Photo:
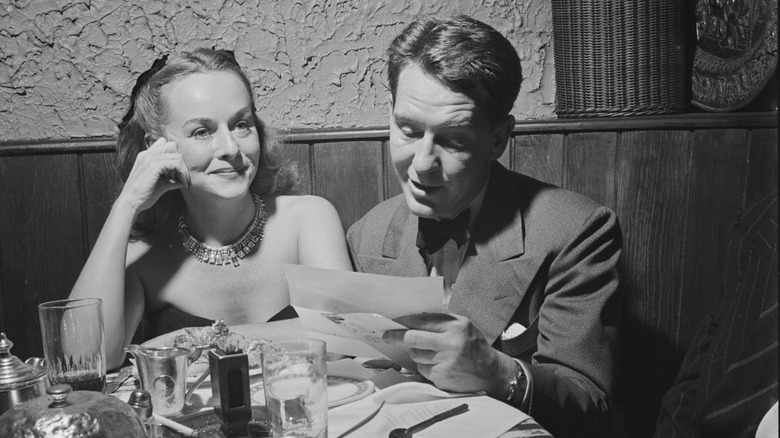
(230, 253)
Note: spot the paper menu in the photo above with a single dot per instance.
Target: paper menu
(351, 310)
(358, 292)
(355, 334)
(412, 402)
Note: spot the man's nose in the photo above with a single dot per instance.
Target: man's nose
(425, 158)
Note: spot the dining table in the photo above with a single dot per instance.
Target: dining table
(359, 389)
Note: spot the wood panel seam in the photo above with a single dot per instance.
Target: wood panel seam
(684, 237)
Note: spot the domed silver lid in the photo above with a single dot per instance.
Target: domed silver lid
(13, 372)
(64, 413)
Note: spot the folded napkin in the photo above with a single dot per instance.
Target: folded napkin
(407, 404)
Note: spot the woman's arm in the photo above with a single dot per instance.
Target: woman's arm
(104, 274)
(103, 277)
(321, 241)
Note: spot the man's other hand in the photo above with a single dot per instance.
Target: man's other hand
(451, 352)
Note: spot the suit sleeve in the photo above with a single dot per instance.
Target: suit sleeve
(353, 243)
(574, 366)
(678, 415)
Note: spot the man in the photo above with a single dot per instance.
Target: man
(530, 285)
(727, 384)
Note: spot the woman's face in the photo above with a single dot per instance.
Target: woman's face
(210, 119)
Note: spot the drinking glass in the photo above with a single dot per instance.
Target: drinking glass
(296, 388)
(73, 343)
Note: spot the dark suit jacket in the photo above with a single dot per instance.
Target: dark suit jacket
(540, 256)
(728, 380)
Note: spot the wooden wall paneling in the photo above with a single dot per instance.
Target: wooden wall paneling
(349, 175)
(652, 179)
(298, 153)
(99, 184)
(762, 167)
(718, 168)
(539, 156)
(40, 241)
(390, 180)
(589, 166)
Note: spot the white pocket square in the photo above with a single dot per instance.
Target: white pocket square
(513, 331)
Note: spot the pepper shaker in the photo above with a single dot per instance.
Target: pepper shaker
(141, 402)
(230, 386)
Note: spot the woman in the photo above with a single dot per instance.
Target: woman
(201, 226)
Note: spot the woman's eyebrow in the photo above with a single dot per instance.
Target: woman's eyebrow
(197, 120)
(240, 114)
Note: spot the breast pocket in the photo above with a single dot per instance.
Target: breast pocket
(523, 346)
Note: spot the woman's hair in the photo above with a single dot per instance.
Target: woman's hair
(462, 53)
(148, 113)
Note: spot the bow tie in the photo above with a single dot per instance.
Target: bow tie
(433, 234)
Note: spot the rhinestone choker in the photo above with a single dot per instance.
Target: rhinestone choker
(233, 252)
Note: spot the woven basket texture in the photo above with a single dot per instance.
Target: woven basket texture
(618, 57)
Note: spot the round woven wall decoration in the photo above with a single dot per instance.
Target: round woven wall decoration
(736, 52)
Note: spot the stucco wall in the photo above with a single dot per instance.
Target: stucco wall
(67, 67)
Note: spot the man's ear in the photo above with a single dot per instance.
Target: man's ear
(501, 134)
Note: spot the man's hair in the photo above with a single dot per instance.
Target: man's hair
(149, 112)
(462, 53)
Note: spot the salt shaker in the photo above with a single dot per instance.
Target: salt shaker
(141, 402)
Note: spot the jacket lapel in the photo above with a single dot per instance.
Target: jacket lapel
(400, 256)
(496, 272)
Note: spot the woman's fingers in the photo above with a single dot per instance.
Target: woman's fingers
(164, 146)
(158, 169)
(173, 173)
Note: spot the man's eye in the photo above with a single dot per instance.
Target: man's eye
(451, 143)
(409, 133)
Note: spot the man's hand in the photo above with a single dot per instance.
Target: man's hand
(452, 353)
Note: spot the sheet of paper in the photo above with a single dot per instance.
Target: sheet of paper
(410, 403)
(351, 310)
(356, 292)
(355, 334)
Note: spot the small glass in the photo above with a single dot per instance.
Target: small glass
(296, 388)
(74, 343)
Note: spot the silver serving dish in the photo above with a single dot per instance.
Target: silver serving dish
(19, 381)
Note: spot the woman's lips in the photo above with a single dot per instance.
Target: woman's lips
(229, 172)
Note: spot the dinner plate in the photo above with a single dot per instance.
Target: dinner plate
(341, 390)
(195, 369)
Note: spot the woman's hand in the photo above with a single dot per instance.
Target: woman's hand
(158, 169)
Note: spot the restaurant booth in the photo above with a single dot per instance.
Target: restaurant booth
(676, 179)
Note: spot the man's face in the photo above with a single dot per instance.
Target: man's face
(441, 144)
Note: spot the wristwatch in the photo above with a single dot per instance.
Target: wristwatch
(517, 388)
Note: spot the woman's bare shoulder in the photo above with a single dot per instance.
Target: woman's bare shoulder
(299, 204)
